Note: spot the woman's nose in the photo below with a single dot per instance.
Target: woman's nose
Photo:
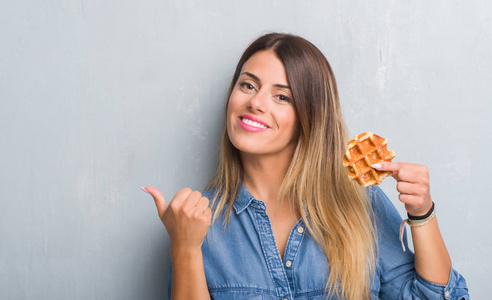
(258, 102)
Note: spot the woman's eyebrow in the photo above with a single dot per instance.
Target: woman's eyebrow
(258, 80)
(252, 76)
(282, 86)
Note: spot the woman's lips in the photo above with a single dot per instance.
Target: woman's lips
(252, 124)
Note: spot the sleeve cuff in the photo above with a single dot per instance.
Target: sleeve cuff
(455, 289)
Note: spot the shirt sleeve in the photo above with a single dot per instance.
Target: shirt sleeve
(169, 282)
(396, 269)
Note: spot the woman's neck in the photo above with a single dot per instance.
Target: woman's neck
(263, 174)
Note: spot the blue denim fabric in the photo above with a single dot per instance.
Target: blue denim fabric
(242, 261)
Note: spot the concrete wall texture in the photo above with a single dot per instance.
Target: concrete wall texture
(101, 97)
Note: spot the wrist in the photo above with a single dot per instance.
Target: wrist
(416, 221)
(186, 252)
(422, 217)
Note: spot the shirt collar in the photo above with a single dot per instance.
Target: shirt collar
(243, 200)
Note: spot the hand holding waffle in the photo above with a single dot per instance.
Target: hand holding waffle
(368, 162)
(412, 183)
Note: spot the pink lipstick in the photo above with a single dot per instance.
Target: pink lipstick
(252, 124)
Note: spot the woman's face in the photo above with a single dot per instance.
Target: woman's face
(260, 117)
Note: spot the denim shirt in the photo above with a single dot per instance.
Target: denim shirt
(242, 261)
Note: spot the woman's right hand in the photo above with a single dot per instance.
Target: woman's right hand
(186, 218)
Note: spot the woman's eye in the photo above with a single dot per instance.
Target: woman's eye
(283, 98)
(247, 85)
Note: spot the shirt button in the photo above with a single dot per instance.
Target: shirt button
(288, 264)
(446, 294)
(300, 229)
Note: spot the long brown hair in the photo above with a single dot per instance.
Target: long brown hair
(336, 211)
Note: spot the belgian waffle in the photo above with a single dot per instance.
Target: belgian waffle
(363, 150)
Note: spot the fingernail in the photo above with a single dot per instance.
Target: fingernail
(376, 166)
(143, 189)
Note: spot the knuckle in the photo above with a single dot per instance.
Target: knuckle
(208, 217)
(182, 194)
(184, 210)
(424, 171)
(186, 190)
(423, 190)
(173, 205)
(196, 215)
(196, 193)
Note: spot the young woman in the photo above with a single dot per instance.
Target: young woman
(284, 221)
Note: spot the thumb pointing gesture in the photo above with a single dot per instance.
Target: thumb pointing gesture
(186, 218)
(160, 201)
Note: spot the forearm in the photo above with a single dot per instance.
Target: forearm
(432, 260)
(188, 275)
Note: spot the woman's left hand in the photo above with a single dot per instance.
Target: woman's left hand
(412, 183)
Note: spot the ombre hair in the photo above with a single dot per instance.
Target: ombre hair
(336, 211)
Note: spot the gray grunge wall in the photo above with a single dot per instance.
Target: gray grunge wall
(98, 98)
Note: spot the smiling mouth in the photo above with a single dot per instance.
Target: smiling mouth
(253, 123)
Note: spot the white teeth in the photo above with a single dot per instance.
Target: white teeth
(253, 123)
